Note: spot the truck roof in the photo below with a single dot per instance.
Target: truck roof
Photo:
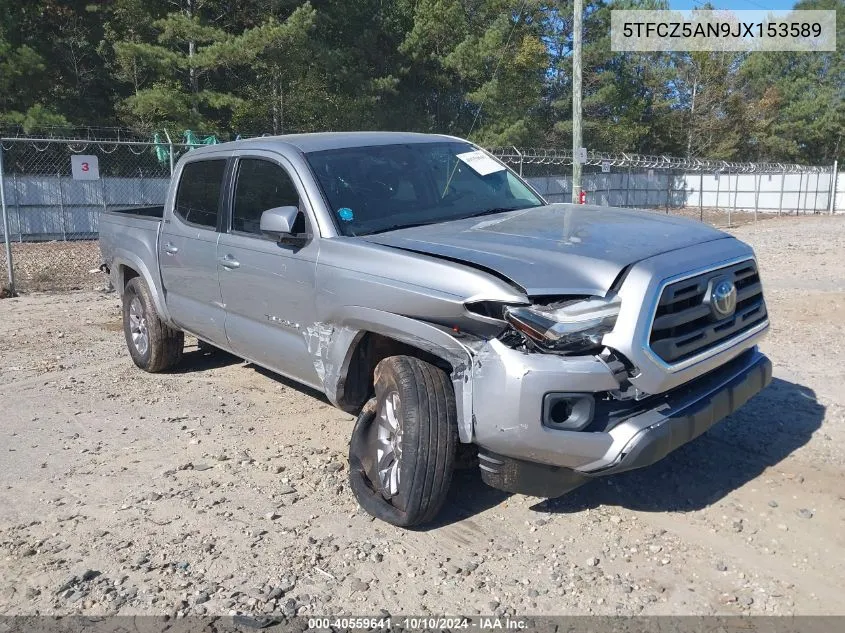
(319, 141)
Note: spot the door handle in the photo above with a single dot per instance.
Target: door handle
(229, 262)
(169, 249)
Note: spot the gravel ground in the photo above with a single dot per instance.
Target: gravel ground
(220, 488)
(43, 266)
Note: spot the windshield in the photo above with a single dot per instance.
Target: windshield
(386, 187)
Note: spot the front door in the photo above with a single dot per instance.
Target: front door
(267, 287)
(188, 251)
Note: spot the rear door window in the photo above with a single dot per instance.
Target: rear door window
(198, 195)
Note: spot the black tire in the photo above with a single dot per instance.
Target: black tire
(164, 344)
(428, 439)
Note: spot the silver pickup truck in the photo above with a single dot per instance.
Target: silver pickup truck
(423, 286)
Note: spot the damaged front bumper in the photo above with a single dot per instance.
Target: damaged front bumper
(519, 452)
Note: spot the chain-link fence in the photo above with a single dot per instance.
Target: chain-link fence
(53, 194)
(53, 191)
(722, 193)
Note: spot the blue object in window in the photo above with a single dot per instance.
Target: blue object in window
(345, 214)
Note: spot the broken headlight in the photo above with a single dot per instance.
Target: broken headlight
(566, 327)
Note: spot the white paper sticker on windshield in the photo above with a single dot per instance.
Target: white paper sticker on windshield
(481, 162)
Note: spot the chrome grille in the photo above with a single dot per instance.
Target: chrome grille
(685, 325)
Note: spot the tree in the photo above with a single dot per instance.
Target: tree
(496, 70)
(283, 86)
(36, 76)
(799, 99)
(710, 95)
(628, 98)
(176, 78)
(492, 54)
(21, 71)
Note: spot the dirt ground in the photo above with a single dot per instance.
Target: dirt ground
(53, 266)
(220, 488)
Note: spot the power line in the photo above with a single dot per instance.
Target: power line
(484, 100)
(498, 63)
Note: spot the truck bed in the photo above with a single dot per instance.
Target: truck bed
(156, 212)
(130, 236)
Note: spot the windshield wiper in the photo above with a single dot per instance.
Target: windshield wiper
(396, 227)
(493, 211)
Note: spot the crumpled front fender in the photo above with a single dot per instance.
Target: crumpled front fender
(333, 345)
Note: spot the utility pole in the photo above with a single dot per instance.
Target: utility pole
(576, 100)
(7, 238)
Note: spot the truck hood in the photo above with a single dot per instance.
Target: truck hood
(553, 249)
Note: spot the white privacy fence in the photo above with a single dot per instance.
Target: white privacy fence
(670, 183)
(44, 208)
(765, 192)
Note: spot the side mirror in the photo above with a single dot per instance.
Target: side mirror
(280, 223)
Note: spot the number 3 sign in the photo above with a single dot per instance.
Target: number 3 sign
(85, 167)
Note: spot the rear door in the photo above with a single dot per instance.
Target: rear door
(268, 288)
(188, 250)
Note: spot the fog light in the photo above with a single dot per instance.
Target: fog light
(560, 411)
(567, 411)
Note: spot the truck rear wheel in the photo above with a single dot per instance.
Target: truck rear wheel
(402, 451)
(153, 345)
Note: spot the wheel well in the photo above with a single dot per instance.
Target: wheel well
(370, 349)
(127, 274)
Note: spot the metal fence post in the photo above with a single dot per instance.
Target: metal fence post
(105, 205)
(668, 188)
(103, 193)
(62, 206)
(802, 207)
(701, 196)
(800, 189)
(718, 187)
(736, 191)
(606, 189)
(627, 185)
(17, 206)
(170, 151)
(10, 269)
(782, 185)
(756, 194)
(831, 199)
(816, 195)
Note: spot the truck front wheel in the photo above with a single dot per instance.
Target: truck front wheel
(153, 345)
(402, 450)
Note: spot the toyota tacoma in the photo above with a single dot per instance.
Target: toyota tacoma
(427, 289)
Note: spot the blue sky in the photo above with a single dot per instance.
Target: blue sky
(746, 5)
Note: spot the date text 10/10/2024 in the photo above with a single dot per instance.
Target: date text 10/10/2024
(480, 623)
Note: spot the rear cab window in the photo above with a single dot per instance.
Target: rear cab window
(198, 193)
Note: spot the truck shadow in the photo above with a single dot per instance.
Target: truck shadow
(761, 434)
(196, 360)
(468, 496)
(291, 384)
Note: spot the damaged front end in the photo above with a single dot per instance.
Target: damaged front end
(571, 326)
(569, 388)
(546, 377)
(565, 328)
